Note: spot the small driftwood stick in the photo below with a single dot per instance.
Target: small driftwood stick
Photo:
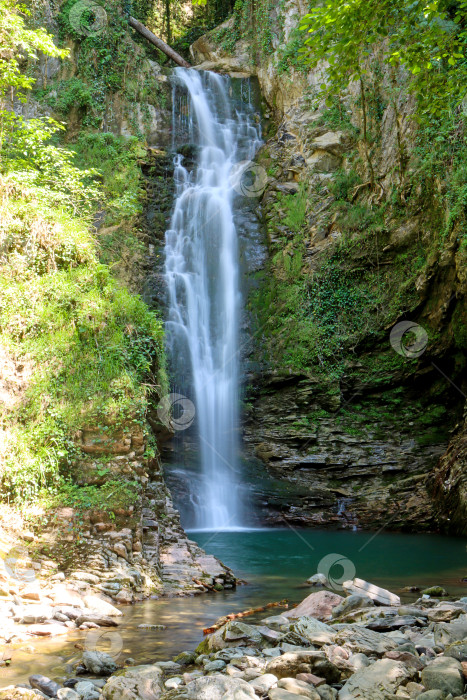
(206, 585)
(233, 616)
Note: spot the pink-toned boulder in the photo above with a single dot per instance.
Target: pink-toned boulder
(318, 605)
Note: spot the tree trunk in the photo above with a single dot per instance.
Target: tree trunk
(167, 21)
(161, 45)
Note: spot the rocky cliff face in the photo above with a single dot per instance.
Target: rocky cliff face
(347, 412)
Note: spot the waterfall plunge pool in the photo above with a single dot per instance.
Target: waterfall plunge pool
(276, 564)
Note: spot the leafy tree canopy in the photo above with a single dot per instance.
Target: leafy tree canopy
(428, 39)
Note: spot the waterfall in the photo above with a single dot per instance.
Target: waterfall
(202, 276)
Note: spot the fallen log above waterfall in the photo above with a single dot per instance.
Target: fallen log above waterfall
(161, 45)
(234, 616)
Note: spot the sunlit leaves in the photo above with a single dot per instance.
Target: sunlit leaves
(422, 37)
(19, 43)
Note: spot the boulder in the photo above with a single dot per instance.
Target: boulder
(380, 595)
(435, 591)
(377, 681)
(220, 688)
(34, 614)
(327, 693)
(100, 620)
(444, 673)
(359, 639)
(282, 694)
(217, 665)
(298, 688)
(310, 678)
(99, 663)
(62, 595)
(333, 141)
(318, 605)
(353, 602)
(86, 690)
(98, 605)
(169, 666)
(390, 623)
(457, 651)
(406, 658)
(359, 661)
(276, 622)
(264, 683)
(448, 632)
(232, 634)
(134, 683)
(44, 684)
(67, 694)
(293, 662)
(432, 695)
(313, 630)
(444, 613)
(239, 631)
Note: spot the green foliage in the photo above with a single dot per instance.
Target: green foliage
(295, 208)
(421, 37)
(112, 495)
(19, 43)
(251, 21)
(442, 156)
(90, 346)
(118, 168)
(106, 61)
(32, 161)
(182, 43)
(68, 94)
(289, 54)
(315, 323)
(343, 183)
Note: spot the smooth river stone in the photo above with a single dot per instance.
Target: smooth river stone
(444, 673)
(282, 694)
(377, 681)
(380, 595)
(264, 683)
(298, 687)
(318, 605)
(218, 687)
(44, 684)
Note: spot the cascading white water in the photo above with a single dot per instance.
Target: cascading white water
(202, 275)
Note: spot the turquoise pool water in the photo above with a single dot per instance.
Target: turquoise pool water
(275, 564)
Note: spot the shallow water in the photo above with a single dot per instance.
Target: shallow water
(276, 564)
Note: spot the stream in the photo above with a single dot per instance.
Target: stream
(275, 564)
